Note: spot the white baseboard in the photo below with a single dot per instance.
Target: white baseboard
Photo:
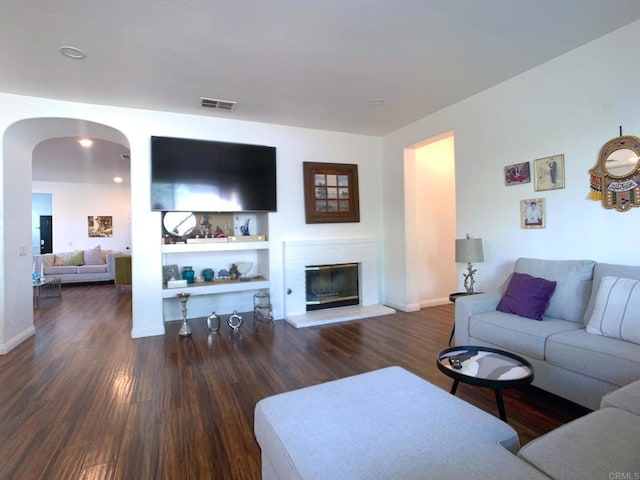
(17, 340)
(403, 307)
(147, 332)
(433, 302)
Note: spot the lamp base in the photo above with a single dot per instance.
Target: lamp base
(469, 281)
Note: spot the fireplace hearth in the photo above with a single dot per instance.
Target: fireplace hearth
(330, 286)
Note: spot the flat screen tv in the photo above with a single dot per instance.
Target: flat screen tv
(208, 176)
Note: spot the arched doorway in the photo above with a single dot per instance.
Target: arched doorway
(19, 141)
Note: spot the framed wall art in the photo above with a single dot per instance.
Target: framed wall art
(548, 173)
(100, 226)
(517, 173)
(331, 192)
(532, 213)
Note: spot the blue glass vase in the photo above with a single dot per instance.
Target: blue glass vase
(188, 274)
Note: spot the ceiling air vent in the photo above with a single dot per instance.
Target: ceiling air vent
(217, 104)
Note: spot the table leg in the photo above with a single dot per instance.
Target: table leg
(453, 331)
(500, 402)
(454, 387)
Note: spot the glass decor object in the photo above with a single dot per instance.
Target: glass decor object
(188, 274)
(262, 309)
(213, 322)
(235, 321)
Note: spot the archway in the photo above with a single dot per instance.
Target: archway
(19, 141)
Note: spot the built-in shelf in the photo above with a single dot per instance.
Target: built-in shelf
(217, 286)
(213, 247)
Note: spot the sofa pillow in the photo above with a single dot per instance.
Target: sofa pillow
(93, 256)
(527, 296)
(76, 258)
(60, 260)
(615, 313)
(573, 288)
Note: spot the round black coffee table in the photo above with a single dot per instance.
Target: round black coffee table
(485, 367)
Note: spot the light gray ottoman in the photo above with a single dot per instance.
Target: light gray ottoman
(626, 398)
(387, 424)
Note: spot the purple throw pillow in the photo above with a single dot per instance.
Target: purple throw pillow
(527, 296)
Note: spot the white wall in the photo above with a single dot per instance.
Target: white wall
(571, 105)
(72, 203)
(295, 145)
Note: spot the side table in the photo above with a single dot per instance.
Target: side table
(452, 298)
(46, 289)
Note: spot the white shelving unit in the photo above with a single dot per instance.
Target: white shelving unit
(224, 296)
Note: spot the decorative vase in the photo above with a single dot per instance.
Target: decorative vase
(188, 274)
(213, 322)
(235, 321)
(208, 274)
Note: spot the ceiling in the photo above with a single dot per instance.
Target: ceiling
(359, 66)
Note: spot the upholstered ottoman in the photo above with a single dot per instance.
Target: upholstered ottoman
(387, 424)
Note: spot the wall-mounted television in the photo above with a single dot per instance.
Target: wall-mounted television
(209, 176)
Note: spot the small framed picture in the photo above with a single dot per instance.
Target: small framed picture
(532, 213)
(517, 173)
(170, 272)
(549, 173)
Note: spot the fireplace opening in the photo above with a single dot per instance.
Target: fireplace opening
(330, 286)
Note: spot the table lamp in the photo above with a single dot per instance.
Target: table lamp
(469, 250)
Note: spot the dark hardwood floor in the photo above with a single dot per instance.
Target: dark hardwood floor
(82, 400)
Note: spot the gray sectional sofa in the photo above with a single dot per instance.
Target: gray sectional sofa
(569, 361)
(93, 265)
(389, 423)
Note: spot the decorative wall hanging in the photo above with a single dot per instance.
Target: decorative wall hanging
(615, 179)
(331, 192)
(517, 173)
(549, 173)
(100, 226)
(532, 213)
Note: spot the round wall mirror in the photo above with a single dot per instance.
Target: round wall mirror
(179, 223)
(621, 162)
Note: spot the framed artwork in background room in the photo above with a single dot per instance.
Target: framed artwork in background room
(331, 192)
(517, 173)
(548, 173)
(532, 213)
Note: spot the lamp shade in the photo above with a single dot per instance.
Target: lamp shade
(469, 250)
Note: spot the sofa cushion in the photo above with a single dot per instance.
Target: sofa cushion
(573, 288)
(516, 333)
(599, 445)
(611, 270)
(92, 269)
(616, 311)
(527, 296)
(60, 259)
(56, 270)
(608, 359)
(94, 256)
(76, 258)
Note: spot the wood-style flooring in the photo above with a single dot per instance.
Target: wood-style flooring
(82, 400)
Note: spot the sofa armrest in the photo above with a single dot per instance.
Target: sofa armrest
(469, 305)
(111, 264)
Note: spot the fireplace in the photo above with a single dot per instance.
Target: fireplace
(329, 286)
(364, 252)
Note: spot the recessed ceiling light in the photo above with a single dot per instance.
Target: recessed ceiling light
(117, 179)
(85, 142)
(72, 52)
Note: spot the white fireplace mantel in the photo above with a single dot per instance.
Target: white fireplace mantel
(300, 253)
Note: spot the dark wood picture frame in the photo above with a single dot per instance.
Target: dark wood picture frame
(331, 192)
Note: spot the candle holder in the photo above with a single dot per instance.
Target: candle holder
(185, 329)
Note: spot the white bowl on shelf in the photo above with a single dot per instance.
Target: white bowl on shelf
(243, 269)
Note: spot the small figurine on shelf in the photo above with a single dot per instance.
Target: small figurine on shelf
(233, 272)
(219, 233)
(205, 226)
(223, 274)
(208, 274)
